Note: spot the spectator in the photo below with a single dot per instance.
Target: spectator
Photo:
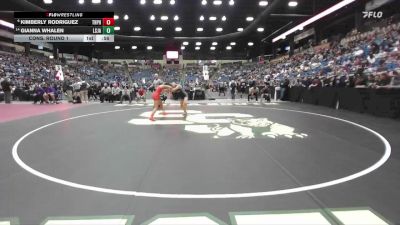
(141, 94)
(126, 93)
(77, 91)
(6, 86)
(84, 93)
(233, 87)
(115, 92)
(265, 94)
(284, 85)
(253, 93)
(395, 79)
(67, 87)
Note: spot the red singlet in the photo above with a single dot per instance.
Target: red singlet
(157, 94)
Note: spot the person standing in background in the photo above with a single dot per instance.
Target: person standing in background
(126, 93)
(84, 92)
(233, 86)
(221, 88)
(39, 94)
(242, 87)
(67, 87)
(284, 85)
(6, 86)
(77, 91)
(253, 93)
(157, 81)
(134, 89)
(51, 93)
(115, 91)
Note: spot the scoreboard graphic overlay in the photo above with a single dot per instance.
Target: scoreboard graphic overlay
(64, 27)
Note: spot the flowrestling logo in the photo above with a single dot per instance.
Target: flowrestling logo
(221, 125)
(372, 14)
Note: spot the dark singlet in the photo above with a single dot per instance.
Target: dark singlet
(180, 94)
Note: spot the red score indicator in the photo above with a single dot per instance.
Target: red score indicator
(108, 22)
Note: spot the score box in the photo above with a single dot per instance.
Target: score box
(104, 38)
(108, 22)
(108, 30)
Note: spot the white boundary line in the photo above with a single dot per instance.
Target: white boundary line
(364, 172)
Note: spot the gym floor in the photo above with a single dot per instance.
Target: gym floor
(222, 161)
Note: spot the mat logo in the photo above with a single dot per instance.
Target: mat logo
(222, 125)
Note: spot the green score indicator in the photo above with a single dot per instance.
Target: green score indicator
(108, 30)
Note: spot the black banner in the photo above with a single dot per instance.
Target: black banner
(58, 30)
(380, 102)
(29, 22)
(326, 96)
(55, 15)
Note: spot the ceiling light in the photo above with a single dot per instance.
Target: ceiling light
(260, 29)
(110, 1)
(81, 2)
(212, 48)
(198, 43)
(219, 29)
(159, 29)
(117, 28)
(213, 18)
(250, 43)
(293, 3)
(164, 18)
(149, 47)
(117, 47)
(134, 47)
(200, 29)
(116, 17)
(137, 28)
(142, 2)
(172, 2)
(204, 2)
(178, 29)
(197, 48)
(301, 28)
(217, 2)
(93, 1)
(157, 2)
(228, 47)
(185, 43)
(328, 11)
(7, 24)
(152, 18)
(263, 3)
(49, 1)
(126, 17)
(240, 29)
(231, 2)
(176, 17)
(233, 43)
(214, 43)
(250, 18)
(223, 18)
(201, 18)
(183, 48)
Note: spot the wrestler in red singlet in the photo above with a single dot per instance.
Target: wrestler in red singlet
(157, 99)
(157, 93)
